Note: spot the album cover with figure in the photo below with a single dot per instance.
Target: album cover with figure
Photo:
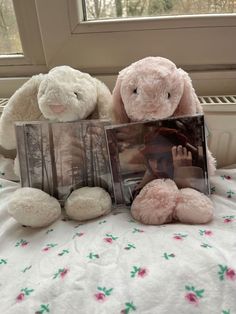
(59, 157)
(172, 148)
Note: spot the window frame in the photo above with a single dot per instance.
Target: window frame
(105, 47)
(32, 60)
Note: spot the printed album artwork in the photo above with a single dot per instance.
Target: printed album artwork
(169, 148)
(61, 157)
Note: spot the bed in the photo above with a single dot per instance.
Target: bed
(115, 265)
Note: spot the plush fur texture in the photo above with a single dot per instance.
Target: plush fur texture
(80, 202)
(33, 207)
(158, 192)
(154, 88)
(64, 94)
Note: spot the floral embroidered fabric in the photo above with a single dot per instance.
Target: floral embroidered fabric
(115, 265)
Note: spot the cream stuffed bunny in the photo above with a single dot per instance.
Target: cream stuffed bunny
(154, 88)
(64, 94)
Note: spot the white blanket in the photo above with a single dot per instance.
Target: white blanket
(115, 265)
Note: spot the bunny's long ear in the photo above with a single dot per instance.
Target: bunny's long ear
(22, 106)
(189, 103)
(118, 105)
(103, 108)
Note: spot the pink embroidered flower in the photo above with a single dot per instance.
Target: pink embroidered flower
(46, 249)
(64, 272)
(227, 220)
(177, 237)
(138, 271)
(193, 295)
(108, 240)
(80, 234)
(100, 297)
(192, 298)
(103, 293)
(20, 297)
(21, 243)
(142, 272)
(230, 274)
(208, 232)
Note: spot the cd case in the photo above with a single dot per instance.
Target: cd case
(172, 148)
(59, 157)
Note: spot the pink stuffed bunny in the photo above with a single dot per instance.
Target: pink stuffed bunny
(154, 88)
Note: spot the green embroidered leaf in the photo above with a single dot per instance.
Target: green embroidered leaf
(44, 308)
(63, 252)
(92, 255)
(26, 268)
(188, 288)
(27, 291)
(165, 256)
(108, 292)
(3, 261)
(223, 268)
(137, 230)
(199, 293)
(49, 230)
(60, 270)
(130, 305)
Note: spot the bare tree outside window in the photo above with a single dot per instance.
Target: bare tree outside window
(103, 9)
(9, 36)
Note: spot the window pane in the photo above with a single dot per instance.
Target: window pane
(100, 9)
(9, 35)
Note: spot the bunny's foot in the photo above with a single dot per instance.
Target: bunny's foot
(33, 207)
(156, 202)
(160, 201)
(193, 207)
(88, 203)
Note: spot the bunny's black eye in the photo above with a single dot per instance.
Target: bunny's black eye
(135, 91)
(76, 94)
(168, 95)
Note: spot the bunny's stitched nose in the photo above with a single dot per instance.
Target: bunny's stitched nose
(57, 108)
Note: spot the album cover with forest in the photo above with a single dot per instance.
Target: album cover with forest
(59, 157)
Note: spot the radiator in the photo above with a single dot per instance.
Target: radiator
(3, 102)
(220, 116)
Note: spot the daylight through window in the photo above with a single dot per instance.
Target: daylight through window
(9, 36)
(103, 9)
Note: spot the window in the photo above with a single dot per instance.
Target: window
(9, 36)
(25, 55)
(197, 43)
(56, 32)
(103, 9)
